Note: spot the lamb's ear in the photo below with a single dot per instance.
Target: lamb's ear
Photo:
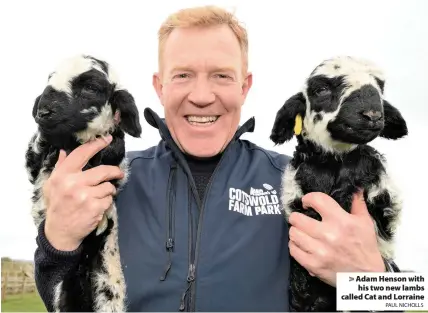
(285, 122)
(35, 106)
(126, 112)
(395, 125)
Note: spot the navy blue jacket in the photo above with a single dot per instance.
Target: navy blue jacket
(228, 252)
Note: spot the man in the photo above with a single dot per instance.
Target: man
(199, 220)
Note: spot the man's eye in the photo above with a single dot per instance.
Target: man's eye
(182, 75)
(222, 76)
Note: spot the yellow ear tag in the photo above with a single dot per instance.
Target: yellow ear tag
(298, 125)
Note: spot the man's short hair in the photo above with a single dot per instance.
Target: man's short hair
(203, 16)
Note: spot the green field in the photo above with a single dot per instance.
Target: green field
(32, 303)
(23, 303)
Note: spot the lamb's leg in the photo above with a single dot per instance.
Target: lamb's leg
(308, 293)
(34, 157)
(109, 280)
(300, 296)
(385, 205)
(96, 283)
(77, 292)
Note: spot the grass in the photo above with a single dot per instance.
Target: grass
(30, 302)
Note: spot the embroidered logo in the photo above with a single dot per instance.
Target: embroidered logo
(262, 201)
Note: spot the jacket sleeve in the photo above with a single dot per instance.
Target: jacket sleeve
(50, 266)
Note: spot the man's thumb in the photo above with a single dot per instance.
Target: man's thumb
(359, 206)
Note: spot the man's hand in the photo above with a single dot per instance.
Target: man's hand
(341, 242)
(76, 199)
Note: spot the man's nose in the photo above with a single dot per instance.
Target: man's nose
(201, 94)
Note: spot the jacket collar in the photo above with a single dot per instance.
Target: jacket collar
(154, 120)
(159, 123)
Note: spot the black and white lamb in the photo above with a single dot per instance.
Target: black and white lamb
(82, 101)
(340, 109)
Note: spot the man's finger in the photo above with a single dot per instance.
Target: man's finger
(306, 224)
(325, 205)
(99, 206)
(61, 157)
(105, 203)
(303, 240)
(100, 174)
(303, 258)
(103, 190)
(359, 206)
(80, 156)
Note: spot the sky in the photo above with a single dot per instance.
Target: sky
(287, 40)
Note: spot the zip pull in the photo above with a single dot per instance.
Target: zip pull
(191, 274)
(190, 280)
(183, 297)
(169, 248)
(170, 234)
(168, 267)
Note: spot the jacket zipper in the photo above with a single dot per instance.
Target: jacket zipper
(195, 249)
(192, 267)
(185, 297)
(169, 245)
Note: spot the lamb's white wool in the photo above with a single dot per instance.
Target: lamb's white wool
(114, 79)
(102, 124)
(357, 72)
(388, 186)
(290, 189)
(38, 211)
(318, 132)
(386, 247)
(35, 143)
(56, 298)
(113, 276)
(68, 69)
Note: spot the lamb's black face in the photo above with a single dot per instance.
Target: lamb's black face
(345, 104)
(350, 114)
(62, 112)
(342, 105)
(83, 101)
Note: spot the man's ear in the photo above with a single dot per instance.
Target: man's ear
(36, 106)
(395, 125)
(285, 121)
(246, 86)
(157, 84)
(126, 112)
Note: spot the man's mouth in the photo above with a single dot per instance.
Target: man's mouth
(202, 120)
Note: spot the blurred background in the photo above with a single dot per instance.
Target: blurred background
(287, 39)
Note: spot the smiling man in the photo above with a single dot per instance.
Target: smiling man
(202, 84)
(200, 226)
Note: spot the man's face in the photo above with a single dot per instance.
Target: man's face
(202, 88)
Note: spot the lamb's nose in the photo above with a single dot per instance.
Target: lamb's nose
(372, 115)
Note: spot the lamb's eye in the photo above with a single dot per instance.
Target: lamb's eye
(322, 91)
(90, 88)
